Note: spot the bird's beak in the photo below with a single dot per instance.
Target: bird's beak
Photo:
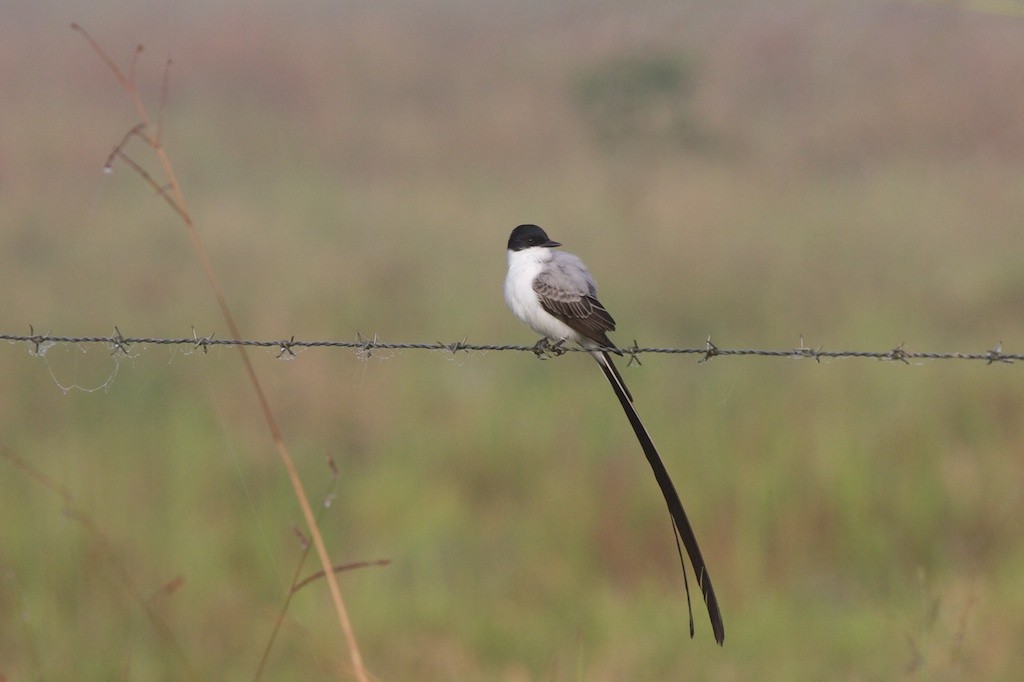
(551, 244)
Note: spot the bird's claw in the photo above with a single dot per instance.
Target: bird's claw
(544, 349)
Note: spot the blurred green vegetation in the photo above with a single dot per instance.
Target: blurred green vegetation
(862, 520)
(643, 99)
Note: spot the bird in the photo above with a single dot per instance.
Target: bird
(555, 295)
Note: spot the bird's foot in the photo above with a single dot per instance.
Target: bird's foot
(544, 349)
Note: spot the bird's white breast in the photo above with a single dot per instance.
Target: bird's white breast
(523, 268)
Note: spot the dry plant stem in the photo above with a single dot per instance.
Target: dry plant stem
(72, 511)
(173, 195)
(281, 614)
(297, 585)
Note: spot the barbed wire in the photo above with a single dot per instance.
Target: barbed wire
(122, 344)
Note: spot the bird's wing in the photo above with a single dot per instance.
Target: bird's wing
(567, 291)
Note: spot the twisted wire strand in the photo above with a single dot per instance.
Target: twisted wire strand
(122, 343)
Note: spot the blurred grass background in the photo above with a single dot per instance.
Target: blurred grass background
(849, 172)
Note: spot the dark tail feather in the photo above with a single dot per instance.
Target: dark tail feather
(619, 383)
(681, 523)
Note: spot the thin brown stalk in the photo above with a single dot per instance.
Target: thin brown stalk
(340, 568)
(163, 101)
(173, 195)
(297, 584)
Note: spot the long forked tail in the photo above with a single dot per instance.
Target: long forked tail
(679, 520)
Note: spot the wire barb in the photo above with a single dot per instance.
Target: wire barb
(455, 346)
(286, 347)
(805, 352)
(204, 342)
(633, 353)
(120, 342)
(366, 345)
(710, 350)
(996, 355)
(35, 339)
(898, 353)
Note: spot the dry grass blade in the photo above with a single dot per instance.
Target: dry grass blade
(171, 192)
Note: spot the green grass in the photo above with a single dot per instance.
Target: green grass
(861, 519)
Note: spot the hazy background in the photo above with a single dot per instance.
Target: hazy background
(849, 172)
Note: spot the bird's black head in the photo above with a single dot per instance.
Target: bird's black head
(526, 236)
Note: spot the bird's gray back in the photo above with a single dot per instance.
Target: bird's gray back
(565, 277)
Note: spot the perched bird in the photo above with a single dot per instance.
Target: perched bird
(554, 293)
